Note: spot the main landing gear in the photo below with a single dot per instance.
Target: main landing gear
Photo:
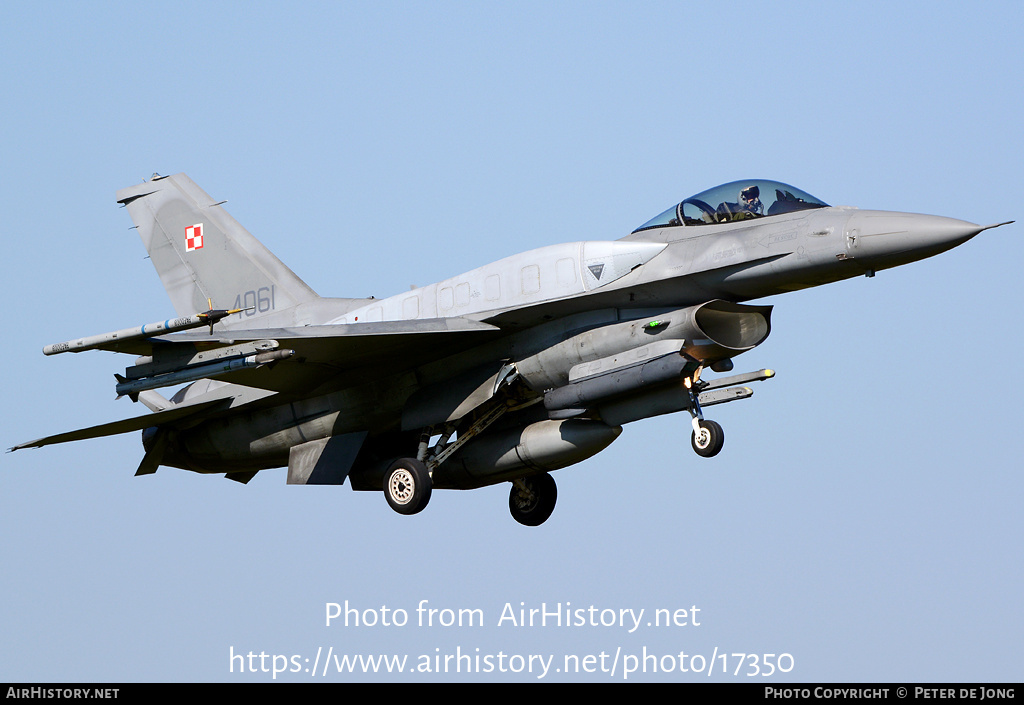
(407, 486)
(532, 499)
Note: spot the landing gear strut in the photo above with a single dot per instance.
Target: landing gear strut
(532, 499)
(708, 437)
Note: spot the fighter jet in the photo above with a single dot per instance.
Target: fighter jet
(501, 374)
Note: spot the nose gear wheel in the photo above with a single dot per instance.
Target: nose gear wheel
(708, 441)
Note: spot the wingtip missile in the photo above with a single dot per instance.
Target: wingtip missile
(171, 325)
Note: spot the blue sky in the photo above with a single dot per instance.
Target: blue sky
(864, 515)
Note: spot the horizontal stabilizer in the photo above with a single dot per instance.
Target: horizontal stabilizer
(172, 416)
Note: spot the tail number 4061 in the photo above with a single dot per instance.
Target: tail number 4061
(259, 301)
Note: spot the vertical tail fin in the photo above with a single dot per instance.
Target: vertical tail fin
(202, 254)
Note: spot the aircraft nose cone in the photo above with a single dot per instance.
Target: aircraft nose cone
(887, 239)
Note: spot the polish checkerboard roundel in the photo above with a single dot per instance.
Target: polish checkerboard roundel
(194, 237)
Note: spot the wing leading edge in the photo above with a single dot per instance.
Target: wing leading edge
(334, 355)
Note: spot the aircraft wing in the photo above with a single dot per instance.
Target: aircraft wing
(145, 344)
(312, 357)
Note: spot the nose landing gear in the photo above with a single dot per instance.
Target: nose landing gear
(708, 437)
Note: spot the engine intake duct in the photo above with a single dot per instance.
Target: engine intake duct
(720, 329)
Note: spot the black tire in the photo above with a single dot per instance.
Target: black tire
(407, 486)
(532, 508)
(711, 442)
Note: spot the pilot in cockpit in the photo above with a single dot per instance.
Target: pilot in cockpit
(750, 200)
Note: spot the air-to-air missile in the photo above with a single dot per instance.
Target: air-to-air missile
(171, 325)
(266, 353)
(225, 360)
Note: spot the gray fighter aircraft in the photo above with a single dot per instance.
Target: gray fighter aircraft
(505, 373)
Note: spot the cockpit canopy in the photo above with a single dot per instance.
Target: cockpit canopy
(737, 200)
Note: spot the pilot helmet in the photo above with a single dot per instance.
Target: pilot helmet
(750, 199)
